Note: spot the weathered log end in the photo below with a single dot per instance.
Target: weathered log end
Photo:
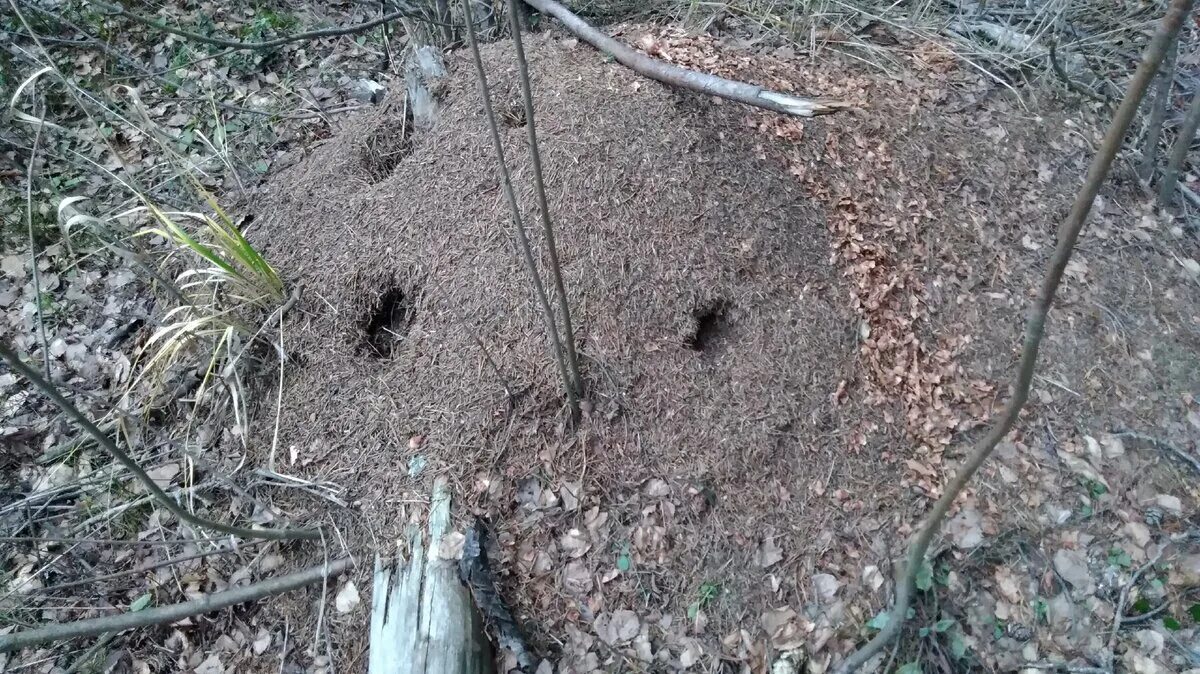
(423, 620)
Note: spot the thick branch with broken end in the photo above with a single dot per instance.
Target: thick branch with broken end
(683, 78)
(1068, 233)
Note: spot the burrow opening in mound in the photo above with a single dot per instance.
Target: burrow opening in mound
(386, 146)
(386, 323)
(712, 327)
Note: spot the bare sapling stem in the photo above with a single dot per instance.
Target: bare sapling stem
(1068, 233)
(519, 225)
(124, 459)
(33, 253)
(1158, 113)
(539, 187)
(1179, 151)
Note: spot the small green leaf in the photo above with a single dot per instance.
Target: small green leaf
(261, 166)
(693, 610)
(998, 632)
(880, 621)
(1172, 624)
(1195, 612)
(924, 578)
(1042, 610)
(924, 632)
(1120, 558)
(623, 562)
(943, 625)
(958, 645)
(140, 603)
(913, 667)
(1141, 605)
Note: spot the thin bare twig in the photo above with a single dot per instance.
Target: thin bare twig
(174, 612)
(1068, 233)
(539, 188)
(519, 225)
(159, 495)
(33, 253)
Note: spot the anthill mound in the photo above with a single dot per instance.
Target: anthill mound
(696, 272)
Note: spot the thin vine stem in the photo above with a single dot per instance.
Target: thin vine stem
(1068, 234)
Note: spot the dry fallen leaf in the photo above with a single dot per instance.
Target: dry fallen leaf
(965, 529)
(617, 627)
(347, 598)
(1073, 567)
(768, 554)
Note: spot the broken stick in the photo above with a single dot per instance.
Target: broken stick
(683, 78)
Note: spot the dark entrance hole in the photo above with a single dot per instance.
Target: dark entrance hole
(712, 327)
(383, 149)
(386, 325)
(513, 114)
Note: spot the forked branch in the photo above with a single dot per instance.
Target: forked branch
(1068, 233)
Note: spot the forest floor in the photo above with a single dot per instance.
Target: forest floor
(790, 331)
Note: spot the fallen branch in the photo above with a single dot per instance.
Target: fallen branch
(1068, 233)
(405, 10)
(683, 78)
(171, 561)
(1163, 446)
(1066, 78)
(174, 612)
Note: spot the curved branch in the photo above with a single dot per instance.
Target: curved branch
(174, 612)
(405, 10)
(683, 78)
(125, 460)
(1068, 233)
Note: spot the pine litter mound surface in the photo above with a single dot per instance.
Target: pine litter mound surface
(706, 309)
(783, 325)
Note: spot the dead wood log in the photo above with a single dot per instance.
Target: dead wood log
(164, 615)
(683, 78)
(423, 71)
(422, 617)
